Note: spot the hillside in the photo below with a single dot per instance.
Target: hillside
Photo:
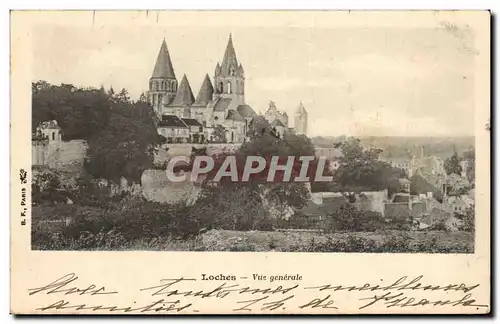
(400, 147)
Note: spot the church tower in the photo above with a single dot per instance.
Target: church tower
(229, 79)
(162, 84)
(301, 120)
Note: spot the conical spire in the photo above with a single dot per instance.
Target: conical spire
(241, 71)
(184, 96)
(163, 67)
(206, 92)
(229, 59)
(217, 69)
(301, 109)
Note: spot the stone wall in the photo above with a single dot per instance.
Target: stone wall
(67, 156)
(397, 211)
(372, 200)
(156, 187)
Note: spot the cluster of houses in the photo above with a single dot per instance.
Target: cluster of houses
(451, 194)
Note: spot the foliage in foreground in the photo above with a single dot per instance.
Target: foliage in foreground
(392, 242)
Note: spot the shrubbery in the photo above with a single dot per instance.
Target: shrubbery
(392, 242)
(99, 228)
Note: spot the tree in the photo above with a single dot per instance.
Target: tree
(219, 134)
(361, 170)
(123, 96)
(121, 134)
(419, 186)
(232, 206)
(452, 165)
(123, 148)
(256, 204)
(467, 217)
(79, 112)
(470, 157)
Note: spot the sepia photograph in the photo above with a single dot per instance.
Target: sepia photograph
(209, 154)
(390, 111)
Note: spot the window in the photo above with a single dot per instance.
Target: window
(201, 129)
(157, 85)
(221, 87)
(53, 135)
(229, 87)
(231, 71)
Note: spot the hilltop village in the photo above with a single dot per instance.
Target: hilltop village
(218, 119)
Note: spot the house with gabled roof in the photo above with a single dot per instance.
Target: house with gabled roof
(278, 127)
(173, 128)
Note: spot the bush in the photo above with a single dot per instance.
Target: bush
(92, 228)
(348, 218)
(467, 219)
(395, 242)
(50, 187)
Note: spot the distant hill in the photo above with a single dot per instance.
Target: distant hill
(405, 147)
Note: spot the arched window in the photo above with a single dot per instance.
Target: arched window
(231, 71)
(157, 85)
(53, 136)
(229, 90)
(174, 88)
(221, 87)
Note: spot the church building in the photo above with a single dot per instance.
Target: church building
(221, 104)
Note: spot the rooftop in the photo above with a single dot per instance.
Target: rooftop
(171, 121)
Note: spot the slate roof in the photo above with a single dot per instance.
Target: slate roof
(163, 67)
(222, 104)
(229, 58)
(184, 96)
(277, 123)
(171, 121)
(235, 116)
(191, 122)
(246, 111)
(205, 94)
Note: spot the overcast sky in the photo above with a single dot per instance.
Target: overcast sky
(355, 81)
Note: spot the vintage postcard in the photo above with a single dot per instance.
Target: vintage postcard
(250, 162)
